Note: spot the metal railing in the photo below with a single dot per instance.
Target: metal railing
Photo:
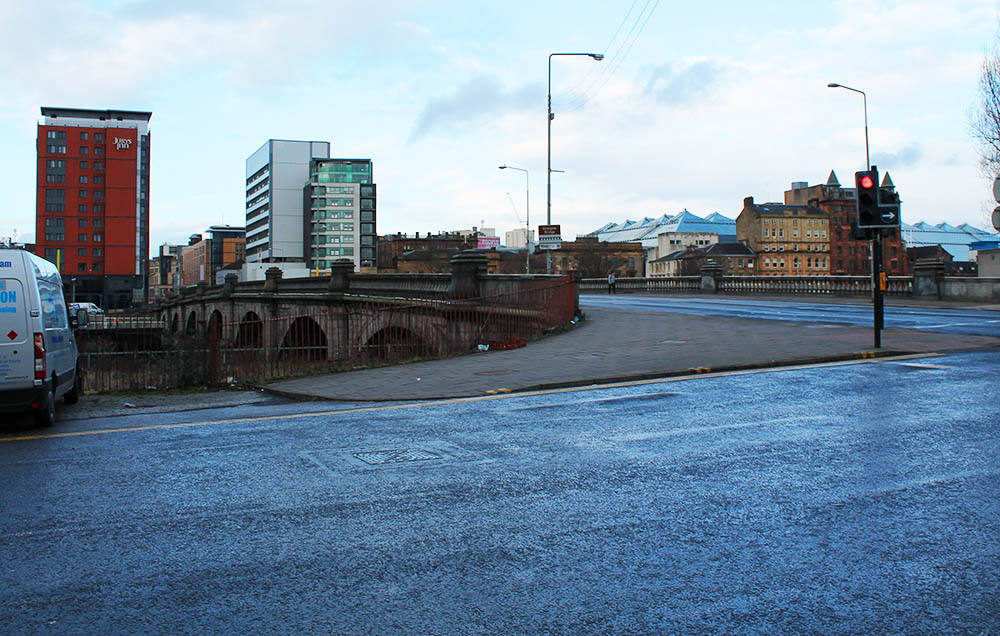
(776, 285)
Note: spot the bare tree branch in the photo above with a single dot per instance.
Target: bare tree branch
(985, 116)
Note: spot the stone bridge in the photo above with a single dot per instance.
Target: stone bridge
(357, 318)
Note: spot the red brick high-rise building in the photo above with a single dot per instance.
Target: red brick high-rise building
(92, 202)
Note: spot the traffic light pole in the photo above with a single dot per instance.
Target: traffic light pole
(877, 308)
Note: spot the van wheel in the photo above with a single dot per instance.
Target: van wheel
(73, 395)
(46, 415)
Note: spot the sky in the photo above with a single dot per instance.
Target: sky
(695, 105)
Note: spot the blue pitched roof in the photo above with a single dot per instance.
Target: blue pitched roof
(648, 229)
(954, 240)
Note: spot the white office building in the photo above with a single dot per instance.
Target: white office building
(275, 175)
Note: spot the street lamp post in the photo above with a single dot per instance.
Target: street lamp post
(527, 217)
(548, 189)
(868, 161)
(878, 317)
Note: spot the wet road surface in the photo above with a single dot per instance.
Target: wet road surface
(959, 321)
(842, 499)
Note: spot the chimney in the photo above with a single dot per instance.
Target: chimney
(748, 202)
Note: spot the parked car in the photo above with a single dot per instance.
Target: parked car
(38, 354)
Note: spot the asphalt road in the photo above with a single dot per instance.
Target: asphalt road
(851, 499)
(956, 321)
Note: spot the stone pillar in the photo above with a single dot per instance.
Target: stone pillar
(272, 278)
(466, 270)
(340, 270)
(927, 275)
(230, 285)
(711, 277)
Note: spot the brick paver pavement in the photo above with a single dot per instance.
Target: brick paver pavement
(613, 345)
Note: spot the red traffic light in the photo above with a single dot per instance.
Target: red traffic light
(866, 182)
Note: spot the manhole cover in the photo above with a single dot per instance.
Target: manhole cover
(496, 372)
(395, 456)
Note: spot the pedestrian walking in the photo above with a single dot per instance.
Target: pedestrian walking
(611, 283)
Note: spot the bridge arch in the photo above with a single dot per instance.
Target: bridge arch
(215, 325)
(191, 327)
(304, 340)
(250, 334)
(175, 323)
(394, 342)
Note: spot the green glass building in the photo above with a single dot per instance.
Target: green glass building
(339, 213)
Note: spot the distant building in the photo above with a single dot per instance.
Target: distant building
(736, 259)
(165, 271)
(668, 243)
(682, 224)
(848, 256)
(956, 240)
(204, 256)
(92, 201)
(519, 238)
(988, 260)
(593, 258)
(392, 246)
(787, 240)
(340, 214)
(275, 174)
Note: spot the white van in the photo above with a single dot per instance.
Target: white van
(38, 355)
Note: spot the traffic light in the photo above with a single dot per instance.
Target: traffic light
(866, 182)
(888, 207)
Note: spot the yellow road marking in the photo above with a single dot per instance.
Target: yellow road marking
(699, 374)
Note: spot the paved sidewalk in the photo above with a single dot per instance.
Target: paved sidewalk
(613, 345)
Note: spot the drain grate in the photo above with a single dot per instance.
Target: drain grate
(395, 456)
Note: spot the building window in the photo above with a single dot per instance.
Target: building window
(98, 179)
(56, 150)
(83, 165)
(81, 251)
(98, 165)
(81, 222)
(81, 207)
(98, 136)
(96, 267)
(81, 267)
(98, 208)
(98, 223)
(83, 194)
(84, 150)
(83, 178)
(97, 238)
(97, 151)
(55, 178)
(81, 237)
(97, 251)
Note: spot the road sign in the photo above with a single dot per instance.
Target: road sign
(549, 237)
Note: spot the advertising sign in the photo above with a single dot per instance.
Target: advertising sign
(487, 242)
(549, 237)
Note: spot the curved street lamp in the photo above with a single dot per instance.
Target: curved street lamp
(527, 217)
(548, 189)
(868, 161)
